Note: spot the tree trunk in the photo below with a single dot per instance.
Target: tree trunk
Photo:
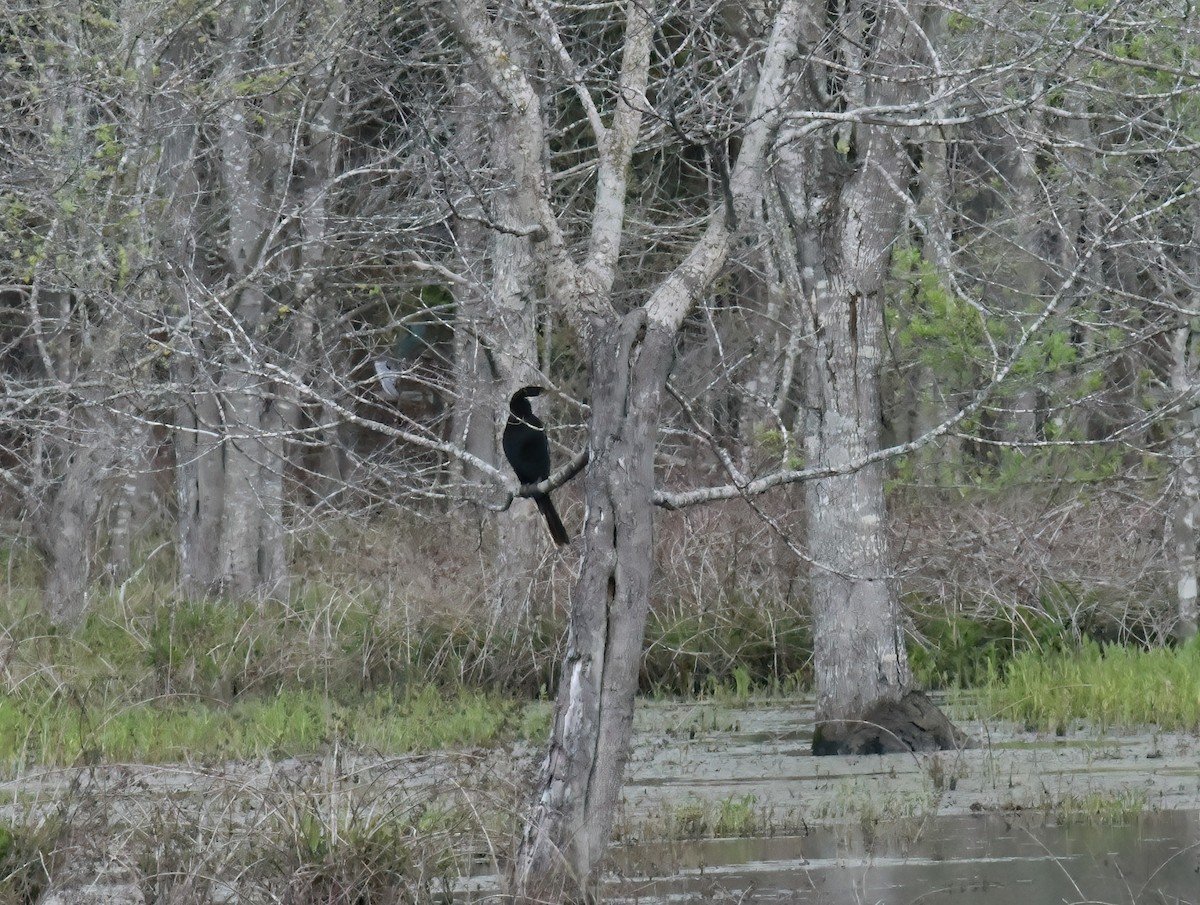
(250, 554)
(229, 481)
(1185, 516)
(857, 634)
(511, 324)
(67, 534)
(199, 483)
(581, 778)
(313, 360)
(630, 357)
(846, 208)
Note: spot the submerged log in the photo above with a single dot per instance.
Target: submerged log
(912, 723)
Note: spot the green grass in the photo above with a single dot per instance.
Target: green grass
(1096, 808)
(58, 729)
(1107, 685)
(26, 857)
(148, 676)
(957, 651)
(143, 680)
(698, 818)
(739, 645)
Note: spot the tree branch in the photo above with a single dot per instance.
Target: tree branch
(677, 294)
(571, 70)
(560, 477)
(616, 148)
(672, 501)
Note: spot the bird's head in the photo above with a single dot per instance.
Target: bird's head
(519, 404)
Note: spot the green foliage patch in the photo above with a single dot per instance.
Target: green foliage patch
(698, 818)
(957, 651)
(740, 646)
(26, 854)
(151, 677)
(63, 728)
(1107, 685)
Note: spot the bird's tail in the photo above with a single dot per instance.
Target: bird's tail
(557, 531)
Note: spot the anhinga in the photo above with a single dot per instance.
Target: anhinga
(528, 452)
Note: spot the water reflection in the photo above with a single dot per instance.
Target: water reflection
(996, 860)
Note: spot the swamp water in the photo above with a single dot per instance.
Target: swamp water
(990, 859)
(722, 804)
(1025, 819)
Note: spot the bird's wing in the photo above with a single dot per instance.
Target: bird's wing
(385, 374)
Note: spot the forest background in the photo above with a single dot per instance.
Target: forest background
(885, 305)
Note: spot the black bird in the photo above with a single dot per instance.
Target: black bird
(528, 452)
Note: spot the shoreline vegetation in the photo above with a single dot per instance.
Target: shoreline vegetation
(219, 681)
(345, 746)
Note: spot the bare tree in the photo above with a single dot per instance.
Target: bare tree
(72, 263)
(630, 356)
(711, 198)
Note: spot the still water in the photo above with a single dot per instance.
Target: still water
(989, 859)
(1021, 819)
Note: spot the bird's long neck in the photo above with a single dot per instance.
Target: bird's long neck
(521, 408)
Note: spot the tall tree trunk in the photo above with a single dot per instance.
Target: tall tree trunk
(311, 356)
(511, 325)
(630, 357)
(858, 637)
(857, 633)
(593, 719)
(846, 208)
(1185, 512)
(199, 483)
(76, 442)
(250, 553)
(1185, 376)
(516, 146)
(67, 530)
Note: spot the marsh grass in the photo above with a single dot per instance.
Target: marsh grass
(351, 655)
(335, 829)
(1106, 685)
(386, 646)
(955, 651)
(63, 729)
(738, 645)
(735, 816)
(204, 681)
(358, 848)
(1109, 807)
(26, 859)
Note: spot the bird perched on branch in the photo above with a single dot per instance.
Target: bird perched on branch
(399, 359)
(528, 452)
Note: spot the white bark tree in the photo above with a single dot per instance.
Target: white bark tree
(817, 110)
(847, 205)
(247, 180)
(71, 263)
(1185, 453)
